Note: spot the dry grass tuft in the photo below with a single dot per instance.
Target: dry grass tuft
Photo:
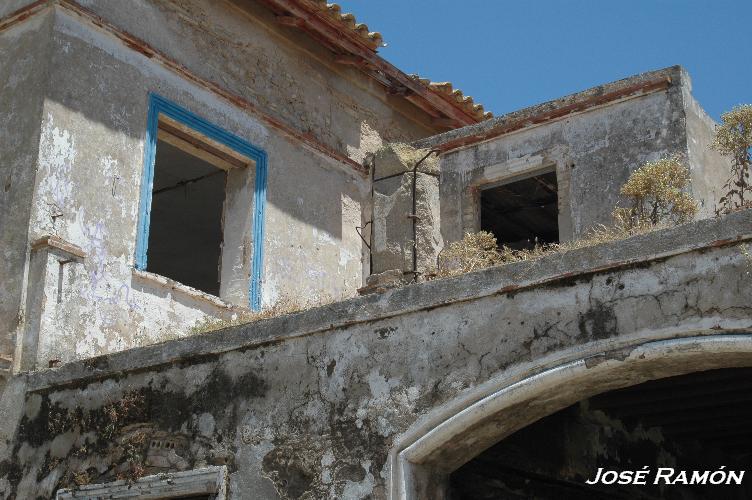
(285, 305)
(479, 250)
(474, 251)
(81, 478)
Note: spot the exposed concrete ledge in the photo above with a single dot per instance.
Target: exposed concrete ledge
(74, 252)
(704, 234)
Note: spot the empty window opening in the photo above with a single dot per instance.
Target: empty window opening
(522, 213)
(188, 196)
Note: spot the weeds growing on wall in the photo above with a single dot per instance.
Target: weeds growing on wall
(134, 454)
(285, 305)
(733, 138)
(467, 255)
(656, 199)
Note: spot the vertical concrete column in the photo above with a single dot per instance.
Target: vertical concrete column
(53, 264)
(406, 221)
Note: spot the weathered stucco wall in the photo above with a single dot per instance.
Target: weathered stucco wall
(24, 56)
(708, 169)
(89, 124)
(87, 192)
(592, 151)
(312, 404)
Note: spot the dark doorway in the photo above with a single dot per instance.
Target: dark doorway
(185, 233)
(523, 213)
(695, 422)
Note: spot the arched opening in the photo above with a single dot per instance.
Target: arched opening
(426, 459)
(694, 422)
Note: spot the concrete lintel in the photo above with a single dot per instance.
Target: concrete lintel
(705, 234)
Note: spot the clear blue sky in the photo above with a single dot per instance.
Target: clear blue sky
(509, 54)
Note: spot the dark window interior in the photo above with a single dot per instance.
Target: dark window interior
(701, 420)
(522, 213)
(185, 230)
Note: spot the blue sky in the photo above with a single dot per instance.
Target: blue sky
(509, 54)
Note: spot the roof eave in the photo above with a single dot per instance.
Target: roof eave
(352, 49)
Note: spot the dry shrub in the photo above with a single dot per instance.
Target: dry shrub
(733, 138)
(656, 193)
(73, 480)
(474, 251)
(285, 305)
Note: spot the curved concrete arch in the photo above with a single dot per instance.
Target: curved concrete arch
(423, 458)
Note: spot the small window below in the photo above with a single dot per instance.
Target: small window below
(187, 206)
(522, 213)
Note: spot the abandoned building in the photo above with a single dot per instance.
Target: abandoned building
(177, 174)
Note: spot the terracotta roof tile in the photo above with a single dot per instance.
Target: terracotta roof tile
(372, 38)
(449, 92)
(331, 13)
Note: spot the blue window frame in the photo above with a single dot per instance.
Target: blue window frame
(158, 105)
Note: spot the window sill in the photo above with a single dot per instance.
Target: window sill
(184, 290)
(209, 481)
